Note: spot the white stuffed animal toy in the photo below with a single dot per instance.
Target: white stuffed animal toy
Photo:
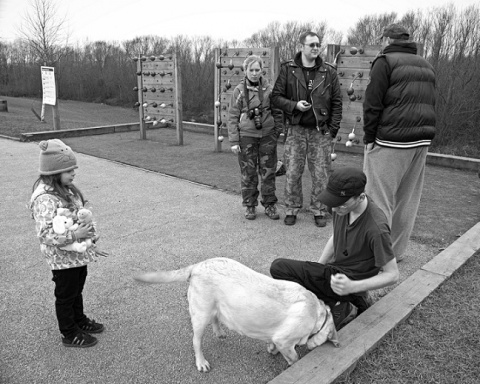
(66, 212)
(63, 223)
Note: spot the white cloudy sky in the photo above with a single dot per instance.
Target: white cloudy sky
(118, 20)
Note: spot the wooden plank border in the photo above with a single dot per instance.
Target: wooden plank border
(326, 363)
(449, 161)
(46, 135)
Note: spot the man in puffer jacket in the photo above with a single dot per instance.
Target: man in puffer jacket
(308, 91)
(399, 124)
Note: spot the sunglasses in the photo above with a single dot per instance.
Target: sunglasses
(313, 45)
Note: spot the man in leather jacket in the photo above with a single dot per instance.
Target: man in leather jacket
(308, 92)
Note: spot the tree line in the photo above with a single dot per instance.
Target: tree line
(104, 72)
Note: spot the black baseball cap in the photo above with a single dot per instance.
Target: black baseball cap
(343, 184)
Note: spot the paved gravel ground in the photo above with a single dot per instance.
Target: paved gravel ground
(147, 221)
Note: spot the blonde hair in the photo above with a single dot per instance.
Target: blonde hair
(252, 59)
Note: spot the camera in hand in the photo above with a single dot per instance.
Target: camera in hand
(256, 115)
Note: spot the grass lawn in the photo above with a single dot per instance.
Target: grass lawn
(440, 341)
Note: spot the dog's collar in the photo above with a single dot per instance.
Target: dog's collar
(324, 322)
(319, 329)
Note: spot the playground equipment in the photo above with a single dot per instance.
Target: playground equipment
(159, 93)
(353, 69)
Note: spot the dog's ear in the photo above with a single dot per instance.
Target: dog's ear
(326, 332)
(322, 332)
(332, 335)
(317, 339)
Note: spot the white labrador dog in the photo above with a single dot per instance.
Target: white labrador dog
(282, 313)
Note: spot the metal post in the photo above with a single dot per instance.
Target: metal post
(217, 144)
(179, 102)
(143, 134)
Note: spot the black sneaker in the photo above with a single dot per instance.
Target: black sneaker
(290, 220)
(343, 313)
(362, 301)
(320, 221)
(80, 340)
(91, 326)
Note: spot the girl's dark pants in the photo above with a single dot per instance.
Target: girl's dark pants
(69, 301)
(258, 155)
(313, 276)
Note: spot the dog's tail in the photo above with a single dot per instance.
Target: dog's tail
(158, 277)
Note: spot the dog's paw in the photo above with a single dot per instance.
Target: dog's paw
(272, 349)
(203, 365)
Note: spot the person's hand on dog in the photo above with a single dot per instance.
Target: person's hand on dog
(341, 284)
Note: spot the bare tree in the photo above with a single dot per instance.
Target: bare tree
(285, 36)
(44, 31)
(441, 37)
(367, 30)
(146, 45)
(422, 32)
(333, 37)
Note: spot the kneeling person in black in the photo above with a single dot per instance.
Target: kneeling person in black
(353, 257)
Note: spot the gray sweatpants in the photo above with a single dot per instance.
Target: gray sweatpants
(395, 182)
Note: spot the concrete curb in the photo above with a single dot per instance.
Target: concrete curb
(325, 364)
(61, 133)
(9, 138)
(457, 162)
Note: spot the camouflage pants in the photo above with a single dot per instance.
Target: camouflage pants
(258, 156)
(304, 144)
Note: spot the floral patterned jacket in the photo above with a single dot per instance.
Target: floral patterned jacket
(44, 205)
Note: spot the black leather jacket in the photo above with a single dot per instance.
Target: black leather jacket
(325, 97)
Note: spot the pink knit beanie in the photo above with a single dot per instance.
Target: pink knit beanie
(56, 157)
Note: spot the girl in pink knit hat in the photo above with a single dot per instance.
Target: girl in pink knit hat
(53, 194)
